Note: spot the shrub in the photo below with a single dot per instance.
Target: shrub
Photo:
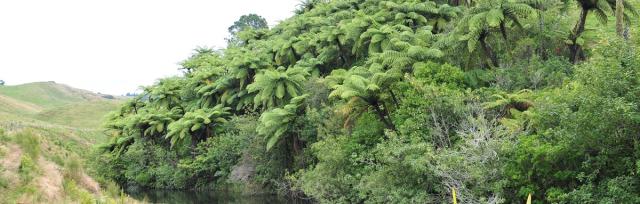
(76, 193)
(28, 168)
(29, 143)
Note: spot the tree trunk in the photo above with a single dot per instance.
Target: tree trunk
(620, 18)
(395, 99)
(382, 115)
(541, 44)
(574, 48)
(488, 52)
(389, 121)
(297, 150)
(194, 143)
(197, 137)
(503, 31)
(341, 53)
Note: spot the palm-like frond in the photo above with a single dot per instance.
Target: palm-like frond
(196, 120)
(276, 122)
(274, 87)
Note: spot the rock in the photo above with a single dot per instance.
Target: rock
(244, 170)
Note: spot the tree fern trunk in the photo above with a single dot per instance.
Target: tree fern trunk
(620, 18)
(395, 99)
(503, 31)
(297, 150)
(541, 44)
(389, 122)
(577, 31)
(382, 114)
(341, 53)
(488, 52)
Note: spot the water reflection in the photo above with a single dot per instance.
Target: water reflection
(197, 197)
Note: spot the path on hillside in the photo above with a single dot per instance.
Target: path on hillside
(11, 162)
(50, 182)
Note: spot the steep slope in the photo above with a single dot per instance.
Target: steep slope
(46, 133)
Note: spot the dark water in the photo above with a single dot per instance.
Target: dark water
(197, 197)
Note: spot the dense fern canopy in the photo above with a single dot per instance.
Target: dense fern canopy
(399, 101)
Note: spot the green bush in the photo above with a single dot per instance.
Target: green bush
(583, 135)
(28, 169)
(215, 159)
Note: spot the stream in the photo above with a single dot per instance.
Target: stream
(197, 197)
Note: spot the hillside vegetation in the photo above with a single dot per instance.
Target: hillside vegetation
(45, 132)
(55, 103)
(400, 101)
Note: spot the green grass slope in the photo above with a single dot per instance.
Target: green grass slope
(48, 94)
(77, 114)
(54, 103)
(46, 132)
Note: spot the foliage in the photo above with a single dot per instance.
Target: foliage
(274, 87)
(275, 123)
(246, 22)
(193, 122)
(397, 101)
(582, 138)
(30, 143)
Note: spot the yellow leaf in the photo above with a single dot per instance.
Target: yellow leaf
(529, 199)
(453, 194)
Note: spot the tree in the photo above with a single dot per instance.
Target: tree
(1, 82)
(202, 58)
(489, 16)
(357, 84)
(600, 8)
(276, 122)
(156, 121)
(308, 5)
(620, 17)
(506, 101)
(167, 92)
(377, 39)
(275, 87)
(246, 22)
(197, 125)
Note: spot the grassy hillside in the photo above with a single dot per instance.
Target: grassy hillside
(76, 114)
(45, 131)
(55, 103)
(41, 162)
(48, 94)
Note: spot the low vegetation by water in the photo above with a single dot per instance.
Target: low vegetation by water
(361, 101)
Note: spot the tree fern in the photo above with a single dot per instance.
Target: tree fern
(276, 122)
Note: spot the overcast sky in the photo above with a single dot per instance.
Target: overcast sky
(114, 46)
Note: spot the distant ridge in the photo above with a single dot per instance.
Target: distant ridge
(56, 103)
(49, 94)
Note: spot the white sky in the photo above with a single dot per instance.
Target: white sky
(114, 46)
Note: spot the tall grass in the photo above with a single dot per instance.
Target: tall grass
(4, 138)
(29, 143)
(28, 169)
(76, 193)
